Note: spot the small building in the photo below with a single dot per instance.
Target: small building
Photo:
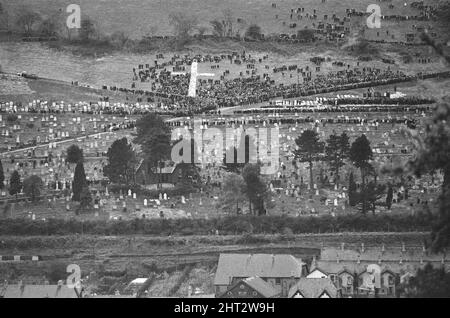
(314, 288)
(252, 287)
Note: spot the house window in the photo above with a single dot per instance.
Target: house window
(255, 293)
(242, 287)
(277, 281)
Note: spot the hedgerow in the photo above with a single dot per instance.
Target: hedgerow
(230, 225)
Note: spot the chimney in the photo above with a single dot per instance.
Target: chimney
(383, 248)
(403, 247)
(401, 260)
(362, 248)
(358, 261)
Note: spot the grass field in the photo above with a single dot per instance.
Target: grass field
(117, 68)
(141, 17)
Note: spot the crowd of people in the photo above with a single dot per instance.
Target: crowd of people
(252, 86)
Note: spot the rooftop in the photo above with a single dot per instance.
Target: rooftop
(261, 265)
(313, 288)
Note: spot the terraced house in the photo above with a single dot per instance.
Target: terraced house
(361, 272)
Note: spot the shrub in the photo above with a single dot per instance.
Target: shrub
(12, 118)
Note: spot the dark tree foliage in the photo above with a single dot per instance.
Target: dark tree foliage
(32, 187)
(79, 181)
(429, 282)
(253, 32)
(154, 136)
(360, 155)
(85, 198)
(352, 193)
(434, 155)
(121, 162)
(2, 176)
(389, 197)
(189, 172)
(373, 193)
(229, 225)
(74, 154)
(255, 188)
(232, 193)
(310, 149)
(337, 151)
(242, 155)
(15, 185)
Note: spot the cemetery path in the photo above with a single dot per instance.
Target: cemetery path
(56, 143)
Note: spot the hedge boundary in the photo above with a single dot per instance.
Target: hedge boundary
(230, 225)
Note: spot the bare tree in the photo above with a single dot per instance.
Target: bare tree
(49, 27)
(183, 25)
(87, 29)
(218, 28)
(228, 19)
(27, 20)
(224, 27)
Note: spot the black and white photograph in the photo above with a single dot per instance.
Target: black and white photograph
(225, 154)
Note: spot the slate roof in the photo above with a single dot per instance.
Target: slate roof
(261, 286)
(332, 267)
(373, 254)
(314, 288)
(38, 291)
(261, 265)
